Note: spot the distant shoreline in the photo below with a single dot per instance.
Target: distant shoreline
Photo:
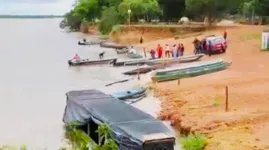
(29, 16)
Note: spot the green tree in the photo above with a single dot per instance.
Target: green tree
(211, 9)
(146, 9)
(110, 17)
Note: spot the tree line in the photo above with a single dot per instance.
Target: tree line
(108, 13)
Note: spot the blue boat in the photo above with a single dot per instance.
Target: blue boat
(130, 94)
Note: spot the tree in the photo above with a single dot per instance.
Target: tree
(146, 9)
(110, 17)
(211, 9)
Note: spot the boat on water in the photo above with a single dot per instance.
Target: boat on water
(122, 51)
(134, 55)
(130, 94)
(79, 62)
(112, 45)
(132, 129)
(150, 61)
(89, 43)
(192, 71)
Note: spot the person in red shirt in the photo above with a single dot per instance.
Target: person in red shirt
(160, 51)
(225, 35)
(76, 57)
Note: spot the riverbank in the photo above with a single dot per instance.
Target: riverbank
(198, 104)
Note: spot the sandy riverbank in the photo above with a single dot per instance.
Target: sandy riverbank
(198, 103)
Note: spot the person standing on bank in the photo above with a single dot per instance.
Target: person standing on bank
(209, 47)
(182, 50)
(141, 40)
(225, 34)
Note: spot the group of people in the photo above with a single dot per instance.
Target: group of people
(172, 50)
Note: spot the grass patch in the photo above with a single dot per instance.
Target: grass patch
(216, 102)
(193, 142)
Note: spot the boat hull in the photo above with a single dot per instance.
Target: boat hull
(130, 94)
(90, 62)
(191, 72)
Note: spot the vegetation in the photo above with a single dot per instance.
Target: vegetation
(193, 142)
(114, 12)
(81, 141)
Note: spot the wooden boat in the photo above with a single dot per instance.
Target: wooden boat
(90, 62)
(150, 61)
(130, 94)
(122, 51)
(188, 66)
(134, 55)
(183, 59)
(191, 72)
(112, 45)
(90, 43)
(143, 70)
(131, 128)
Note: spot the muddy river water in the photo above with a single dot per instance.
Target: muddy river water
(35, 77)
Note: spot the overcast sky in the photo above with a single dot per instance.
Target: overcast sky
(35, 7)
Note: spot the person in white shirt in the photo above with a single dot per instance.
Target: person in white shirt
(167, 51)
(132, 50)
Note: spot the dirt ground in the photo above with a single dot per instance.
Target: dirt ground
(198, 103)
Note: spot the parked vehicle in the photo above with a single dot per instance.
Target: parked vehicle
(219, 44)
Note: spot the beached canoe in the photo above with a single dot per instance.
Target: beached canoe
(182, 59)
(122, 51)
(90, 43)
(150, 61)
(192, 72)
(143, 70)
(188, 66)
(90, 62)
(130, 94)
(112, 45)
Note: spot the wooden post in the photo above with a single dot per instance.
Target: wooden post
(145, 54)
(227, 98)
(138, 73)
(178, 82)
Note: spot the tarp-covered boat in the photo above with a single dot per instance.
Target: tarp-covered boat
(134, 55)
(90, 62)
(190, 72)
(130, 94)
(112, 45)
(132, 129)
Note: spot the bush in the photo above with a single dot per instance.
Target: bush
(193, 142)
(109, 18)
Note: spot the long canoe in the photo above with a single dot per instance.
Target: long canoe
(150, 61)
(90, 62)
(191, 72)
(188, 66)
(143, 70)
(112, 45)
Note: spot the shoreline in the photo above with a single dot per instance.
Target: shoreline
(198, 103)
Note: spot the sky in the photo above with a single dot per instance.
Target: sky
(35, 7)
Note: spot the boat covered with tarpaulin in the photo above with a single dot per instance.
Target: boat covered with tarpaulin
(132, 129)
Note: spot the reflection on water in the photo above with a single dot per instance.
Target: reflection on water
(35, 77)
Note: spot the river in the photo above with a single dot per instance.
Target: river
(35, 77)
